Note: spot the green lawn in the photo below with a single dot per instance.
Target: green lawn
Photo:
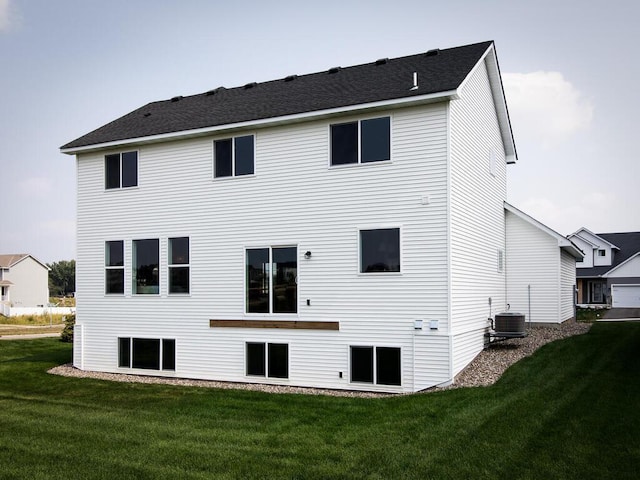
(570, 411)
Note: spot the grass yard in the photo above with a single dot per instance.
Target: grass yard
(570, 411)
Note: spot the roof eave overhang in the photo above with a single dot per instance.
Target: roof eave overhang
(269, 122)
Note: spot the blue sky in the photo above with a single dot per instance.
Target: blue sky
(68, 66)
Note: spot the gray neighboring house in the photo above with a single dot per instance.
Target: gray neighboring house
(610, 271)
(24, 281)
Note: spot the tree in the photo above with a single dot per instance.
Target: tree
(62, 277)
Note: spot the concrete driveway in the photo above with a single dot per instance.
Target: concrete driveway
(618, 314)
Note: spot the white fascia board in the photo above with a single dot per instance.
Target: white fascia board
(268, 122)
(563, 242)
(500, 101)
(623, 263)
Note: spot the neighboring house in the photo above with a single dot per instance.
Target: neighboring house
(24, 281)
(541, 269)
(343, 229)
(610, 271)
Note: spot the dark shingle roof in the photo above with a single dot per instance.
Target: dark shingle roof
(372, 82)
(629, 245)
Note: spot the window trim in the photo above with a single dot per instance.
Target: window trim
(233, 156)
(375, 364)
(358, 121)
(178, 265)
(120, 154)
(271, 313)
(380, 227)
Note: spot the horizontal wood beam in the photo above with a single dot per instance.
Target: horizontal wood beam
(291, 324)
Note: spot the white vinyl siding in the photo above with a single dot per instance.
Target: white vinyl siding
(533, 266)
(476, 215)
(294, 200)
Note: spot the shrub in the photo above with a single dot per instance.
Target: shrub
(67, 332)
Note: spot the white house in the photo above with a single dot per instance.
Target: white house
(24, 282)
(343, 229)
(609, 274)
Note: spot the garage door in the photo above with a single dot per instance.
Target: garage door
(625, 296)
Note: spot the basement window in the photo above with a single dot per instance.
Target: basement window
(363, 141)
(385, 369)
(147, 353)
(121, 170)
(271, 360)
(233, 157)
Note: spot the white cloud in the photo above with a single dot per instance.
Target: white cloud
(36, 186)
(545, 106)
(5, 22)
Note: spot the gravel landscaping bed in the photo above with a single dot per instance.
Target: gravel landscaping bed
(484, 370)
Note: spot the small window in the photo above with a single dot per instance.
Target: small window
(146, 266)
(124, 352)
(362, 364)
(278, 360)
(179, 265)
(271, 280)
(256, 359)
(233, 157)
(361, 142)
(602, 253)
(385, 369)
(271, 360)
(121, 170)
(500, 261)
(380, 250)
(114, 267)
(147, 353)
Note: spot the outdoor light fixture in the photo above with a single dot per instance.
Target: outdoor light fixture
(307, 254)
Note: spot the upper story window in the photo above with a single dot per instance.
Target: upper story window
(179, 265)
(114, 267)
(602, 253)
(121, 170)
(146, 266)
(380, 250)
(361, 142)
(233, 157)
